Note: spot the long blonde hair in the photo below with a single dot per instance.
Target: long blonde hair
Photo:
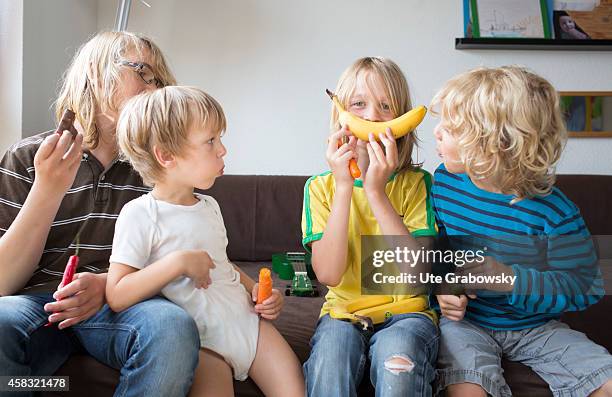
(508, 125)
(398, 93)
(92, 79)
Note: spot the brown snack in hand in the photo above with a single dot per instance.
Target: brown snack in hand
(67, 123)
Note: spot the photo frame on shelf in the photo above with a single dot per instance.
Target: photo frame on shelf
(587, 114)
(582, 20)
(566, 28)
(575, 25)
(516, 19)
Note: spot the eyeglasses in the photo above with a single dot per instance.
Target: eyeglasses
(144, 71)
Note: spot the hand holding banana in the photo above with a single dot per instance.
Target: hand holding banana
(339, 154)
(361, 128)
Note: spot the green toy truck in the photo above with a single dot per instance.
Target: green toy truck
(297, 267)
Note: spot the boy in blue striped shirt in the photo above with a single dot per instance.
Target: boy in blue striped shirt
(499, 136)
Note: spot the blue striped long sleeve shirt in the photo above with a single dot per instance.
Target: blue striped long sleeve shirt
(543, 239)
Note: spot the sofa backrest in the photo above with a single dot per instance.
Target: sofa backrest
(593, 195)
(262, 214)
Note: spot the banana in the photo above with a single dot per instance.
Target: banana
(361, 128)
(367, 302)
(379, 314)
(370, 310)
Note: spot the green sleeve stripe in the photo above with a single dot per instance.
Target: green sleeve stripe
(424, 233)
(309, 239)
(307, 212)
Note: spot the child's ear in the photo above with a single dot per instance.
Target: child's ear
(163, 157)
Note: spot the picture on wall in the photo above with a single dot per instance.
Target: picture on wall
(566, 27)
(508, 19)
(587, 114)
(589, 20)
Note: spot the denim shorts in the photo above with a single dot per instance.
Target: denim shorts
(567, 360)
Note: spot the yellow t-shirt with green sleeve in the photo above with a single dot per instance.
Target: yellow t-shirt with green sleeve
(409, 194)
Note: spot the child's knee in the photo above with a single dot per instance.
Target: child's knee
(398, 364)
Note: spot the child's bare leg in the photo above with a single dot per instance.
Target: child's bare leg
(212, 377)
(603, 391)
(276, 369)
(465, 390)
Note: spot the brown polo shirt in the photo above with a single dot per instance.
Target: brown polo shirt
(90, 207)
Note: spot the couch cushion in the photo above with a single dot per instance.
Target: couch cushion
(88, 377)
(523, 381)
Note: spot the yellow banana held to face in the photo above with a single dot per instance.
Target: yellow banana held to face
(361, 128)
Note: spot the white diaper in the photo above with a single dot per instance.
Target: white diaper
(229, 326)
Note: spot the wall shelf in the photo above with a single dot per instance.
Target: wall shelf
(531, 44)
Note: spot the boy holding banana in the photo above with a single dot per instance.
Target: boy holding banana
(391, 197)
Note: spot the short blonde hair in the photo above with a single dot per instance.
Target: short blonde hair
(91, 80)
(162, 118)
(508, 126)
(397, 91)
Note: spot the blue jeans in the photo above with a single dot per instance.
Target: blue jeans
(155, 344)
(340, 351)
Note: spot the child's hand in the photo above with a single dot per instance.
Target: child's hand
(271, 307)
(453, 306)
(196, 265)
(338, 157)
(488, 268)
(382, 163)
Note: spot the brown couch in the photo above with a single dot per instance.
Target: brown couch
(262, 215)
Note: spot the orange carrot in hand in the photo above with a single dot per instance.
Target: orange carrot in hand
(265, 285)
(354, 169)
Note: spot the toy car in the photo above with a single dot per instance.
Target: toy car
(295, 266)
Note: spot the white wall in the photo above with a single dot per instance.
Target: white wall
(52, 32)
(269, 61)
(11, 62)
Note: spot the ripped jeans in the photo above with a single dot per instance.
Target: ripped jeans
(402, 353)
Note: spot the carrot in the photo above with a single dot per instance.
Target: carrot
(265, 285)
(354, 169)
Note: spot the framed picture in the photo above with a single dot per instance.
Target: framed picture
(585, 20)
(509, 19)
(587, 114)
(565, 27)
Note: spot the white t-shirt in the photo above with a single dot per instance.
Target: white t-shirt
(148, 229)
